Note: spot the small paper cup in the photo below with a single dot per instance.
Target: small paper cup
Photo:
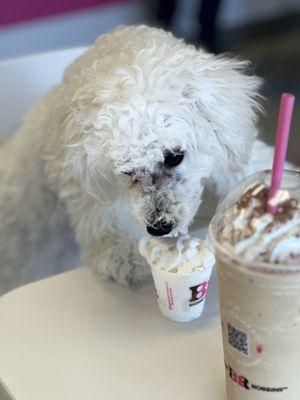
(181, 297)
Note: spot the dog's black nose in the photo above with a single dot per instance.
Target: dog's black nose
(160, 229)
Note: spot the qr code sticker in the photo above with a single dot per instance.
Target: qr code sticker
(239, 340)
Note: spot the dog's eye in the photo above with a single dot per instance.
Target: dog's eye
(129, 173)
(172, 159)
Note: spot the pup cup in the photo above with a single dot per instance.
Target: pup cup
(181, 273)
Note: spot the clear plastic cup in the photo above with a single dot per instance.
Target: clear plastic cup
(260, 313)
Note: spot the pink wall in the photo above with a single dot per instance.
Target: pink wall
(14, 11)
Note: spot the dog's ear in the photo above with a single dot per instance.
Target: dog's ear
(86, 157)
(227, 96)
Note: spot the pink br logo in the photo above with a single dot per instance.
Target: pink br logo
(259, 348)
(198, 293)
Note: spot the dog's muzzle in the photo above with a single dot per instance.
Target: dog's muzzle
(160, 229)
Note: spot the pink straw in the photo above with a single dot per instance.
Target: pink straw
(282, 138)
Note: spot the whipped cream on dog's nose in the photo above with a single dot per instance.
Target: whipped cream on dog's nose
(186, 255)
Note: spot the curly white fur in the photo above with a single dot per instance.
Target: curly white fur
(135, 94)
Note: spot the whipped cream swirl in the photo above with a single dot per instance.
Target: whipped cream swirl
(256, 235)
(186, 255)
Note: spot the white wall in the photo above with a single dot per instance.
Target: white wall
(68, 30)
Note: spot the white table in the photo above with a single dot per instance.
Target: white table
(71, 337)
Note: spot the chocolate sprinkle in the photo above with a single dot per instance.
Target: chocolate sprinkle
(285, 210)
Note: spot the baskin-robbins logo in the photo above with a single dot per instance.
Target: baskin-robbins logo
(198, 293)
(169, 296)
(245, 383)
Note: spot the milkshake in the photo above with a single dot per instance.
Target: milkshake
(258, 269)
(181, 270)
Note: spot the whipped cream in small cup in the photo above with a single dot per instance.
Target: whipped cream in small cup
(181, 271)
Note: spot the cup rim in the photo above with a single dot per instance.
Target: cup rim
(247, 265)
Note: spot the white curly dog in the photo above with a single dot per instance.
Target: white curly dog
(139, 127)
